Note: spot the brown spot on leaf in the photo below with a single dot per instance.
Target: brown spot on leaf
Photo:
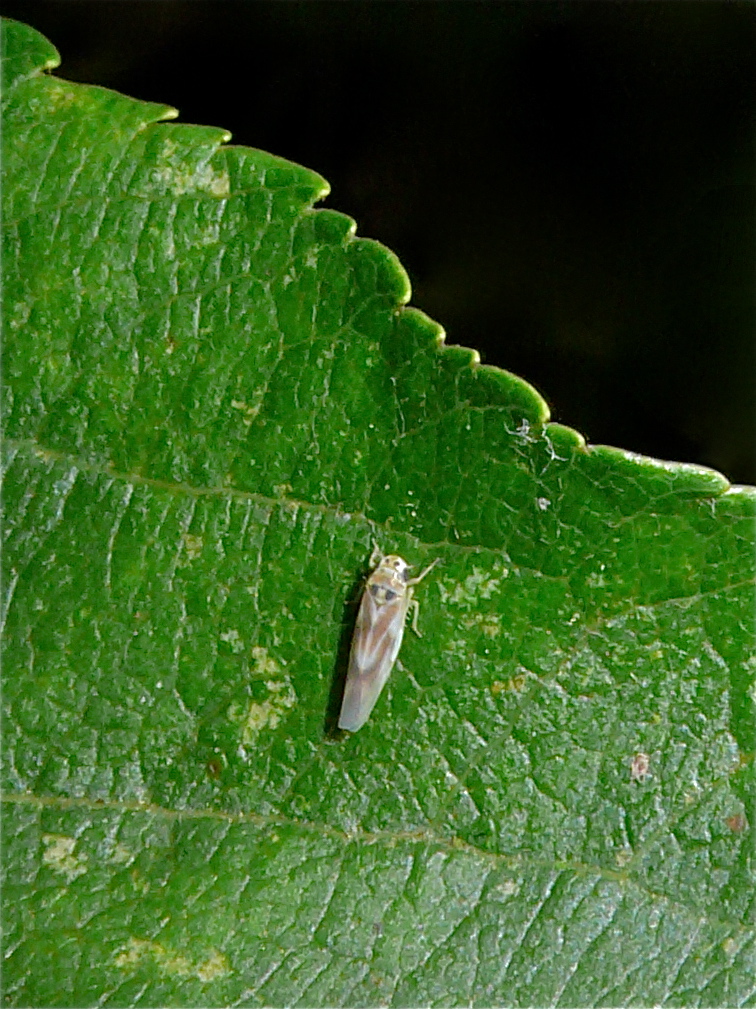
(736, 823)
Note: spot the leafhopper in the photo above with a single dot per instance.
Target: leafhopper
(386, 600)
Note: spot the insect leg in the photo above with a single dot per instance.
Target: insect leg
(414, 581)
(414, 605)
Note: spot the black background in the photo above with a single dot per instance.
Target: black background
(569, 186)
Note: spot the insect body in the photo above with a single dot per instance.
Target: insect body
(378, 635)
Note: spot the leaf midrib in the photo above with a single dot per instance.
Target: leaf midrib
(84, 465)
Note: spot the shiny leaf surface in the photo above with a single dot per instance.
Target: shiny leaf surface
(215, 404)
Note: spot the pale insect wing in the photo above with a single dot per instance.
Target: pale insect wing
(375, 646)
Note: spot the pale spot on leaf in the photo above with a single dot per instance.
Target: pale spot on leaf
(170, 961)
(60, 855)
(192, 546)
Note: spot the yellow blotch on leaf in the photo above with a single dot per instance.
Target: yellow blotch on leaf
(516, 683)
(170, 961)
(248, 412)
(60, 855)
(260, 715)
(192, 546)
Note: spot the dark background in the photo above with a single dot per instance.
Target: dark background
(569, 186)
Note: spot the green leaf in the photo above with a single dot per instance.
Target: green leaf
(215, 404)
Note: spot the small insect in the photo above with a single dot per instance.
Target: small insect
(639, 766)
(378, 635)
